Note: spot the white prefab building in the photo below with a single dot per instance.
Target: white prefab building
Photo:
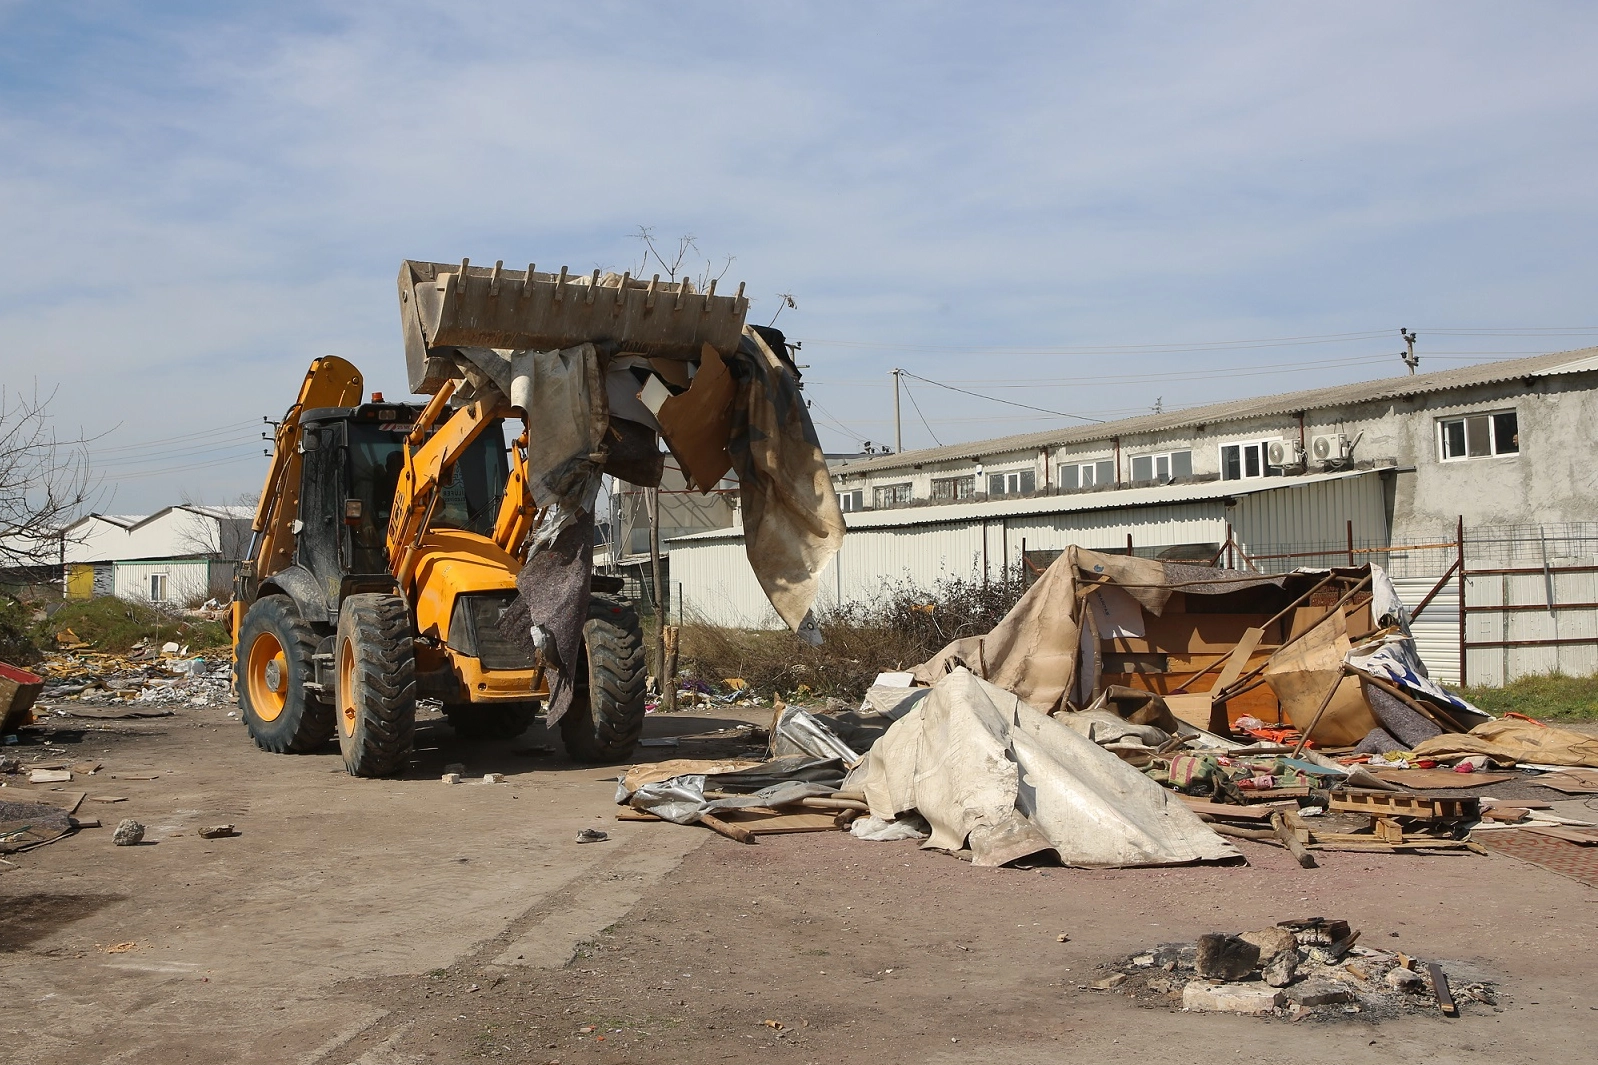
(1488, 471)
(176, 555)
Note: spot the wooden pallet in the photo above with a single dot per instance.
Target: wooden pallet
(1388, 804)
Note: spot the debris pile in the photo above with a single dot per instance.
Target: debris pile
(1298, 969)
(1129, 712)
(146, 682)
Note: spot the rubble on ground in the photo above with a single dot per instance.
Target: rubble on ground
(1129, 712)
(1302, 969)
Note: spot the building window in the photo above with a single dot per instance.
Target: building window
(1163, 466)
(158, 587)
(849, 502)
(1251, 459)
(950, 489)
(890, 495)
(1479, 435)
(1019, 483)
(1074, 475)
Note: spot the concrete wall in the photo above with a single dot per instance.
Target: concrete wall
(1552, 478)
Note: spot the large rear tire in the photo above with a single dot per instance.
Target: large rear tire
(376, 685)
(275, 649)
(491, 721)
(607, 712)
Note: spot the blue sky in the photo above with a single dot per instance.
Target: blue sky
(1087, 208)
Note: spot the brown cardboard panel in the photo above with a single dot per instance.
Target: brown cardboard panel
(697, 423)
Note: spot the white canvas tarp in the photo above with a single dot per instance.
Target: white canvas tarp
(990, 772)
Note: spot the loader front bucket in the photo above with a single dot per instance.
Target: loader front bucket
(444, 305)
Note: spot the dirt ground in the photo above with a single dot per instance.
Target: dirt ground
(402, 921)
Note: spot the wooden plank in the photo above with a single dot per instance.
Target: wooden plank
(1445, 997)
(1261, 812)
(1240, 655)
(1584, 837)
(1306, 860)
(779, 823)
(1441, 779)
(732, 832)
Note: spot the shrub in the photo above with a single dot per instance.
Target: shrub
(898, 628)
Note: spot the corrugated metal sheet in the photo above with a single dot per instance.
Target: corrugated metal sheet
(1501, 665)
(718, 586)
(1306, 512)
(1436, 631)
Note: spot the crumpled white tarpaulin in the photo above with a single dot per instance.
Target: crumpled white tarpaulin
(990, 772)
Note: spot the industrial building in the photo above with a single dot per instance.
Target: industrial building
(1486, 470)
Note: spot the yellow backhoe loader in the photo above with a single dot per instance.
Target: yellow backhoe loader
(389, 536)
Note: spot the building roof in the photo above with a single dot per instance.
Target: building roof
(1117, 499)
(1564, 362)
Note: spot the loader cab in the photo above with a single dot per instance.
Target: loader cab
(352, 461)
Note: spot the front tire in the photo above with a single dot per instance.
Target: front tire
(607, 712)
(274, 662)
(376, 685)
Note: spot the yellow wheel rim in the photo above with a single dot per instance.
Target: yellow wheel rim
(346, 689)
(267, 674)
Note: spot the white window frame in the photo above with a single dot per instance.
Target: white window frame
(1012, 481)
(851, 500)
(1495, 447)
(158, 587)
(1169, 460)
(1090, 468)
(1243, 446)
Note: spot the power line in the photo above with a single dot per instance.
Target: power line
(923, 417)
(996, 399)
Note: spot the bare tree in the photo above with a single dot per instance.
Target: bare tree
(215, 533)
(44, 481)
(675, 264)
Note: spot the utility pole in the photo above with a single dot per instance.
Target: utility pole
(898, 434)
(1410, 359)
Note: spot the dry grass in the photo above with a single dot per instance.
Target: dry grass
(901, 627)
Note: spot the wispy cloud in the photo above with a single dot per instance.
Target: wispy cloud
(198, 199)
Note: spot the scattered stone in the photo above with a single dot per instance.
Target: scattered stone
(1062, 938)
(1404, 980)
(1231, 998)
(1161, 985)
(493, 778)
(128, 833)
(1271, 941)
(1320, 994)
(1114, 980)
(451, 778)
(1223, 957)
(1144, 961)
(218, 832)
(1282, 968)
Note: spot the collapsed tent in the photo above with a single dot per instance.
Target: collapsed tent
(1323, 652)
(991, 773)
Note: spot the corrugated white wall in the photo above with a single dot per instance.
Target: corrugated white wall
(1436, 631)
(1315, 513)
(185, 580)
(1500, 665)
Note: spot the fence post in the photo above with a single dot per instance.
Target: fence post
(1350, 543)
(1459, 540)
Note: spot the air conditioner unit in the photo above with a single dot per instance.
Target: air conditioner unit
(1329, 447)
(1279, 453)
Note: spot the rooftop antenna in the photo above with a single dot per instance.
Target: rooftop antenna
(1410, 358)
